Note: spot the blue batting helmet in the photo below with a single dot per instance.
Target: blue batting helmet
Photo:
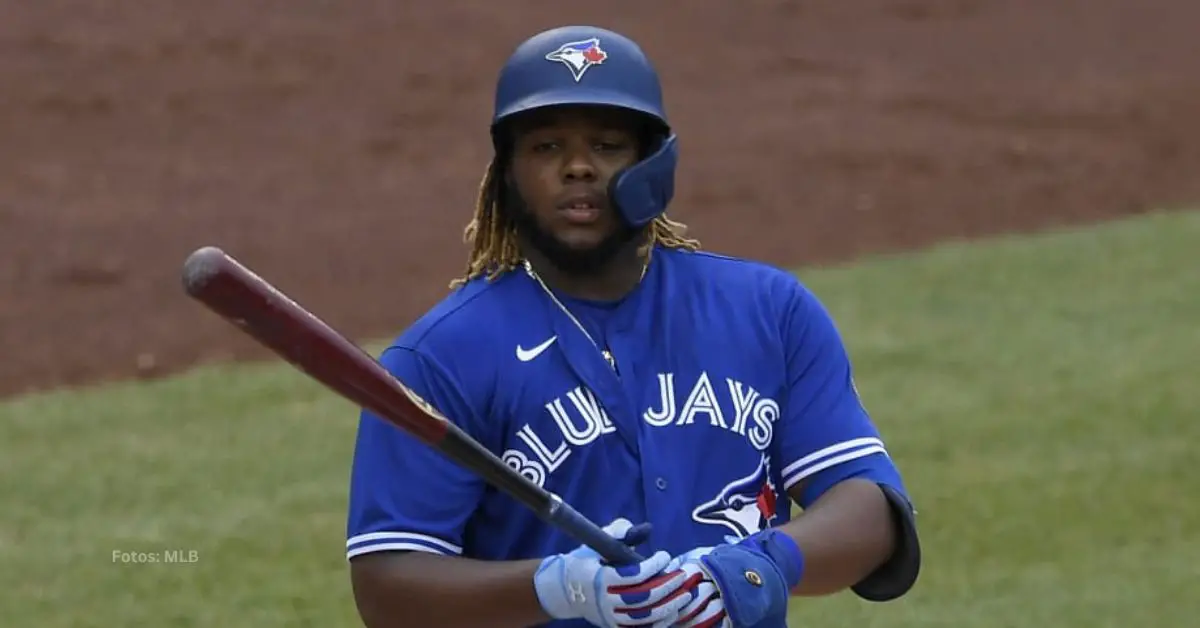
(586, 65)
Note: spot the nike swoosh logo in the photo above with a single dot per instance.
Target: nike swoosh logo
(526, 355)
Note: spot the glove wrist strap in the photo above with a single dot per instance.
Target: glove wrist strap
(783, 550)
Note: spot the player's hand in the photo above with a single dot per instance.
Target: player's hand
(747, 583)
(579, 585)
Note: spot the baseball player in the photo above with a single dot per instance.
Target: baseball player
(684, 398)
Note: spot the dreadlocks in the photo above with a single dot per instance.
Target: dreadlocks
(493, 238)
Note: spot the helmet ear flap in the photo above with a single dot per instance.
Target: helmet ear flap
(642, 191)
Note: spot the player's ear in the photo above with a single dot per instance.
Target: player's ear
(505, 182)
(508, 195)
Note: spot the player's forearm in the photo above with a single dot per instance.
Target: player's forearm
(418, 589)
(844, 536)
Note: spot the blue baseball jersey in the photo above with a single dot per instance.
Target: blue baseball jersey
(731, 386)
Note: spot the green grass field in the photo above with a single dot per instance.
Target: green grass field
(1040, 394)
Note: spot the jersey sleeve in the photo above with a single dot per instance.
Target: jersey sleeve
(826, 435)
(405, 495)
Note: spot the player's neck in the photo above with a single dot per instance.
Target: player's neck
(610, 282)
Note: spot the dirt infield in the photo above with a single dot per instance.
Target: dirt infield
(338, 150)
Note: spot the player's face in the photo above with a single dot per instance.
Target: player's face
(561, 165)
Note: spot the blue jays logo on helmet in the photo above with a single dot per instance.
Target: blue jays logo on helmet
(578, 56)
(745, 506)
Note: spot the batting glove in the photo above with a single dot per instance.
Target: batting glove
(747, 583)
(579, 585)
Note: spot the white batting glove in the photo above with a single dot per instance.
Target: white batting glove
(579, 585)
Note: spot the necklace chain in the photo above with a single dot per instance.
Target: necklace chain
(608, 356)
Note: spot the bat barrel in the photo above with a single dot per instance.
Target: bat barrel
(308, 343)
(277, 322)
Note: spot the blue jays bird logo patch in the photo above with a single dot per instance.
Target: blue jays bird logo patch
(745, 505)
(578, 56)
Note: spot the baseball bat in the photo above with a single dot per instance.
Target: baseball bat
(276, 321)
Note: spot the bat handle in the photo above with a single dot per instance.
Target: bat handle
(583, 530)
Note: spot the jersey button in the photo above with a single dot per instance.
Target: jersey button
(661, 484)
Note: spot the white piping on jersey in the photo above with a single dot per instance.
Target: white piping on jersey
(824, 458)
(382, 541)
